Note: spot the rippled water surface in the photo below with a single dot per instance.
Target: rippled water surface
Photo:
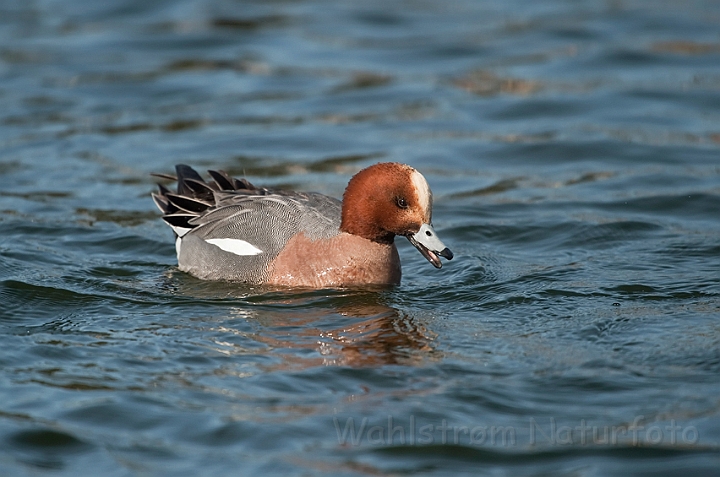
(573, 148)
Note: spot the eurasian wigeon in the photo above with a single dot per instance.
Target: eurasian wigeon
(228, 229)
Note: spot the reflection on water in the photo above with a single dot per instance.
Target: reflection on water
(336, 327)
(373, 336)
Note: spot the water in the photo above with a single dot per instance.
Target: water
(574, 152)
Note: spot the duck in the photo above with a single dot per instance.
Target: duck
(228, 229)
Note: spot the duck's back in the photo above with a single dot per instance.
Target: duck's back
(229, 229)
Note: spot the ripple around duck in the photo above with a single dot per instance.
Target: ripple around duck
(560, 235)
(24, 301)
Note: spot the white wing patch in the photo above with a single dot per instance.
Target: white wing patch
(236, 246)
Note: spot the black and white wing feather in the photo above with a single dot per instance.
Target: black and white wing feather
(229, 229)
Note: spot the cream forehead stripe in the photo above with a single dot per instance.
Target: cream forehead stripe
(423, 191)
(236, 246)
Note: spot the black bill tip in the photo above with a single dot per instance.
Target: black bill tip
(446, 253)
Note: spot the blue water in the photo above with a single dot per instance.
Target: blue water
(573, 148)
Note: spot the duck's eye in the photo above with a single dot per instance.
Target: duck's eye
(401, 202)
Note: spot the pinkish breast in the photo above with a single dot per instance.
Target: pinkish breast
(343, 260)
